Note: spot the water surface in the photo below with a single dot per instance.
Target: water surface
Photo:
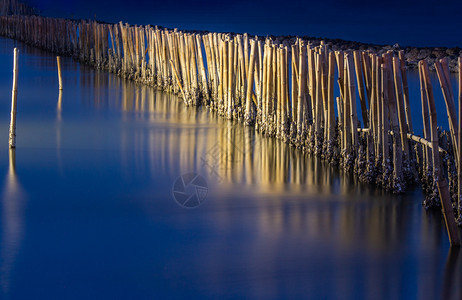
(87, 210)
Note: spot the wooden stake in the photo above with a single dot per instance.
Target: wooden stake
(330, 99)
(449, 100)
(352, 98)
(400, 106)
(14, 92)
(359, 79)
(60, 75)
(426, 124)
(441, 182)
(405, 92)
(178, 81)
(302, 72)
(248, 112)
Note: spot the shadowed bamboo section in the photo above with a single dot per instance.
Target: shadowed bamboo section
(286, 91)
(14, 7)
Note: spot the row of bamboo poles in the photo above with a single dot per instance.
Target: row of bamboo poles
(14, 7)
(286, 91)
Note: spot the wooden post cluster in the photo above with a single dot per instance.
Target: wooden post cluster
(285, 90)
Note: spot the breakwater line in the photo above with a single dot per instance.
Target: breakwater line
(286, 91)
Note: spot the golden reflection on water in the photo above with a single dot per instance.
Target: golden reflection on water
(299, 193)
(296, 195)
(12, 223)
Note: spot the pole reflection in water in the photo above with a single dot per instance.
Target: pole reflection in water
(297, 195)
(452, 288)
(59, 121)
(12, 224)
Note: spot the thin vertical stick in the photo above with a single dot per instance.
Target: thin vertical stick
(406, 92)
(330, 100)
(230, 78)
(384, 119)
(14, 92)
(312, 81)
(378, 101)
(426, 125)
(264, 87)
(302, 72)
(449, 100)
(294, 82)
(248, 113)
(398, 183)
(319, 104)
(285, 85)
(441, 182)
(60, 75)
(346, 111)
(352, 98)
(399, 99)
(367, 71)
(359, 79)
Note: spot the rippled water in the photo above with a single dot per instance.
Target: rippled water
(88, 210)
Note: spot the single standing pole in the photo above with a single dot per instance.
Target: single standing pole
(60, 76)
(12, 139)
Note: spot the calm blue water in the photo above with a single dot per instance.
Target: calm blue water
(87, 210)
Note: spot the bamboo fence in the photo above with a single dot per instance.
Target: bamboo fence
(285, 91)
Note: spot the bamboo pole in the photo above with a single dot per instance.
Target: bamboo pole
(407, 106)
(178, 81)
(324, 82)
(312, 82)
(373, 98)
(271, 86)
(450, 106)
(400, 106)
(60, 75)
(426, 124)
(359, 79)
(398, 178)
(302, 74)
(225, 76)
(285, 91)
(249, 118)
(441, 182)
(14, 93)
(278, 86)
(319, 105)
(385, 122)
(273, 79)
(367, 71)
(346, 113)
(330, 102)
(295, 83)
(352, 98)
(230, 79)
(264, 86)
